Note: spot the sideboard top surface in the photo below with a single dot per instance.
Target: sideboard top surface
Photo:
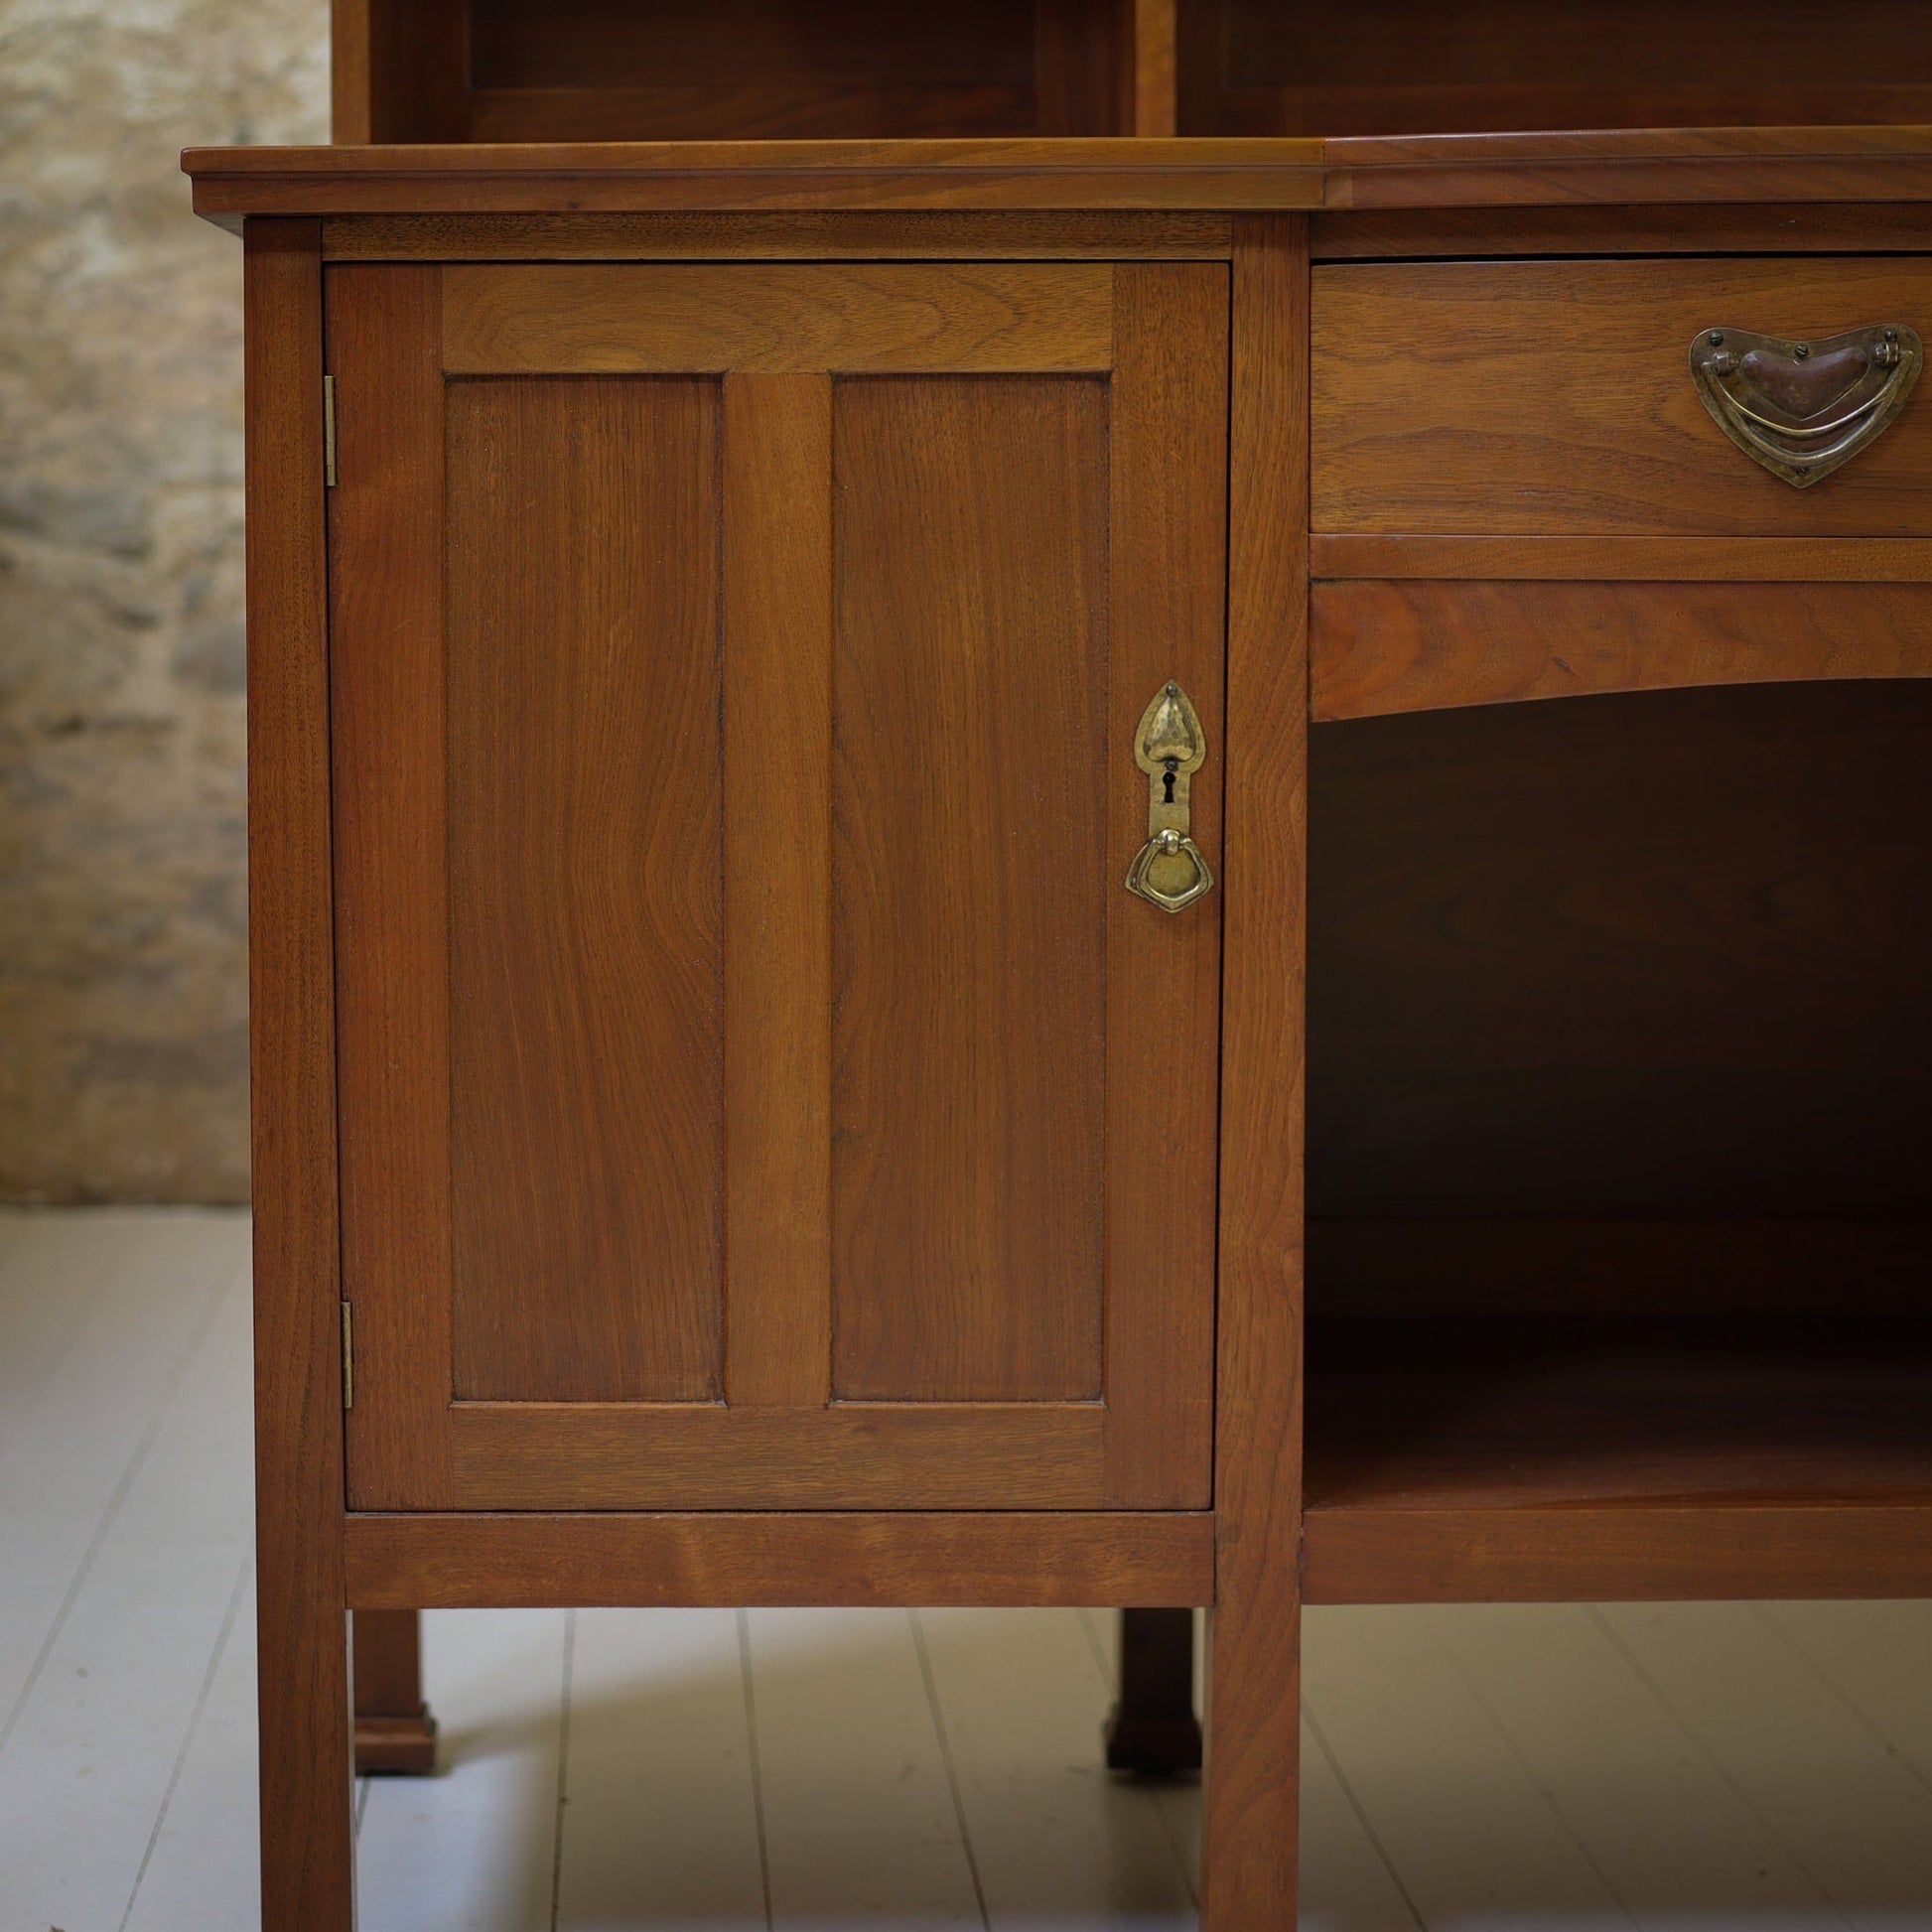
(1564, 168)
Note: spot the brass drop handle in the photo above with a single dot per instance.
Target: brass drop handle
(1170, 870)
(1804, 409)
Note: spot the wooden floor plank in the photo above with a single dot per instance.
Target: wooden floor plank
(1056, 1839)
(861, 1828)
(203, 1868)
(1347, 1883)
(1673, 1838)
(1817, 1776)
(660, 1824)
(93, 1754)
(475, 1848)
(1877, 1658)
(1471, 1837)
(54, 1267)
(71, 1456)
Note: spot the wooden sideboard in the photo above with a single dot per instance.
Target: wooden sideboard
(710, 608)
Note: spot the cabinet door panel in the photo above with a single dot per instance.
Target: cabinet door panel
(756, 1087)
(586, 1083)
(970, 878)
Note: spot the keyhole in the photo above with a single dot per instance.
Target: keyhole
(1171, 765)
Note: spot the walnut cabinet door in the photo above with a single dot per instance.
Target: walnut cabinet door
(758, 1088)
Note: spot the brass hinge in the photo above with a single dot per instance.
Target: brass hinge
(349, 1358)
(328, 432)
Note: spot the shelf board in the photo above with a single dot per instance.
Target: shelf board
(1553, 1458)
(1609, 1553)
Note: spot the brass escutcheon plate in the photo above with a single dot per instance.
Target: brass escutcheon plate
(1169, 870)
(1803, 409)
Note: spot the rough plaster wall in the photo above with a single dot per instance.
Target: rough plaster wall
(122, 988)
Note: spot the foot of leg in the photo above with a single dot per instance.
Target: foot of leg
(1153, 1730)
(394, 1732)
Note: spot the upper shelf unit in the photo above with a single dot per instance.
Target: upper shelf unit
(495, 70)
(1457, 67)
(744, 70)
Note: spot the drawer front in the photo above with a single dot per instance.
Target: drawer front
(1542, 398)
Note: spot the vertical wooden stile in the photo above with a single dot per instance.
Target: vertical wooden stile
(777, 623)
(308, 1877)
(1250, 1818)
(1152, 98)
(1166, 566)
(348, 71)
(389, 760)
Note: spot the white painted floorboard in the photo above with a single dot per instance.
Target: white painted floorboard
(675, 1822)
(475, 1850)
(1647, 1768)
(1056, 1841)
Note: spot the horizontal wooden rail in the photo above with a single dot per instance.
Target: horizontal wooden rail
(1150, 1560)
(1681, 560)
(1379, 647)
(1665, 1551)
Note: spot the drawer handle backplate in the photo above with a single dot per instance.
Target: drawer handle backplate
(1803, 409)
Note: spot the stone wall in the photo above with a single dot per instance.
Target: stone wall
(122, 985)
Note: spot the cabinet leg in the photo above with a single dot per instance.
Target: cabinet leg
(308, 1857)
(308, 1845)
(394, 1732)
(1250, 1798)
(1153, 1730)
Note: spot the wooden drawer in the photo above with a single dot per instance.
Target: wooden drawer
(1554, 397)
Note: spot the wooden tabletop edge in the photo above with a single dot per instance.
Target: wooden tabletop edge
(1172, 175)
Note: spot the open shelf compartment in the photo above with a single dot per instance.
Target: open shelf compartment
(1619, 1271)
(740, 69)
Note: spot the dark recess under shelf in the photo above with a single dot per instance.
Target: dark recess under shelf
(1585, 1410)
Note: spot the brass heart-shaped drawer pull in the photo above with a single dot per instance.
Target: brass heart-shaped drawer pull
(1803, 409)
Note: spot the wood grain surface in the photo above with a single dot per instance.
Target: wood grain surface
(923, 1455)
(394, 1732)
(1407, 66)
(755, 110)
(1652, 168)
(750, 67)
(307, 1861)
(1555, 399)
(668, 1193)
(873, 1557)
(390, 766)
(586, 889)
(1250, 1814)
(807, 233)
(399, 70)
(1082, 57)
(595, 42)
(972, 877)
(1752, 166)
(1381, 648)
(1671, 560)
(1729, 228)
(1154, 55)
(776, 513)
(849, 317)
(1167, 559)
(388, 1663)
(1595, 1553)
